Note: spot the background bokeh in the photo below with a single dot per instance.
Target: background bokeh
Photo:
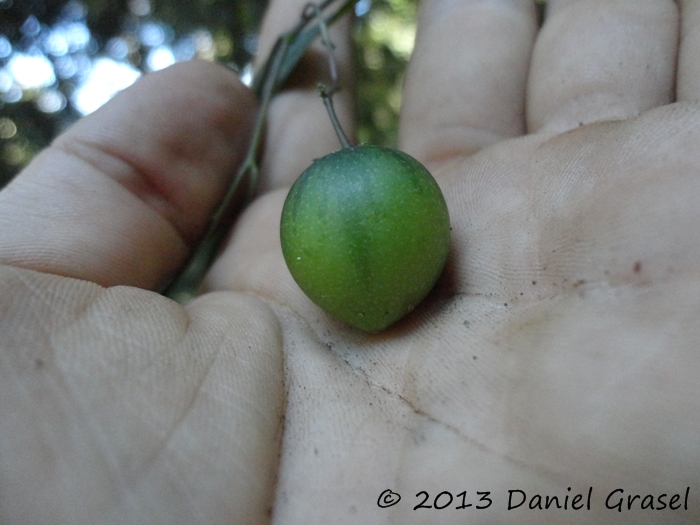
(62, 59)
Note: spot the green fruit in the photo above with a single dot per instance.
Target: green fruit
(365, 233)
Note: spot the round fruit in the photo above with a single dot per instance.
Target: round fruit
(365, 233)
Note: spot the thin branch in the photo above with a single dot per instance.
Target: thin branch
(328, 92)
(283, 58)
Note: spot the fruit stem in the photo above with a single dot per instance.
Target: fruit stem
(328, 102)
(327, 92)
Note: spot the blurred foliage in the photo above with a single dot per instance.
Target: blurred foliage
(122, 30)
(385, 36)
(222, 30)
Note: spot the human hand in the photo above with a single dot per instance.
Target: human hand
(557, 351)
(118, 405)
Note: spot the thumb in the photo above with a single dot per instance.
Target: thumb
(122, 195)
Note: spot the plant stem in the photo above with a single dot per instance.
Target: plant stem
(328, 102)
(327, 93)
(283, 58)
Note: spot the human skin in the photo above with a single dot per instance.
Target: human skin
(559, 349)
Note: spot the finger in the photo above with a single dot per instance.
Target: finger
(465, 85)
(252, 260)
(120, 197)
(120, 406)
(600, 60)
(298, 127)
(688, 87)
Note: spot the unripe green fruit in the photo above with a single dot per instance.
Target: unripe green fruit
(365, 233)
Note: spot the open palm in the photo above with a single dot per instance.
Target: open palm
(556, 356)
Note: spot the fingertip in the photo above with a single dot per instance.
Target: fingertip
(121, 196)
(182, 131)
